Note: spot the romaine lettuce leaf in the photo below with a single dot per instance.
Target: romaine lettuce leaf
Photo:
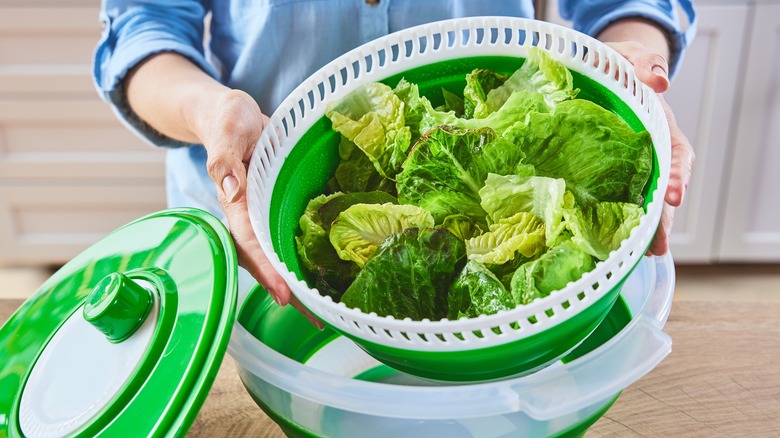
(539, 73)
(521, 234)
(552, 271)
(409, 276)
(476, 291)
(505, 195)
(330, 274)
(372, 118)
(601, 228)
(356, 172)
(357, 231)
(448, 167)
(462, 226)
(478, 84)
(597, 153)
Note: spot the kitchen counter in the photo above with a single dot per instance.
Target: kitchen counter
(722, 379)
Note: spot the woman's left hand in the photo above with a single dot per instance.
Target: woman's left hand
(651, 69)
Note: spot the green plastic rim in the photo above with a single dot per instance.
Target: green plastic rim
(188, 256)
(317, 153)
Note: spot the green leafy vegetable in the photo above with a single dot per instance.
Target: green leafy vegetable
(330, 274)
(600, 157)
(409, 276)
(358, 230)
(510, 191)
(372, 118)
(601, 228)
(448, 167)
(477, 291)
(550, 272)
(522, 233)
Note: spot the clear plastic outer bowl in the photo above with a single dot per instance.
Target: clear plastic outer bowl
(315, 400)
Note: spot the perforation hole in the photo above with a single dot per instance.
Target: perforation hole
(355, 69)
(493, 35)
(532, 320)
(369, 60)
(437, 41)
(395, 51)
(480, 36)
(332, 83)
(312, 100)
(302, 108)
(550, 313)
(408, 48)
(465, 37)
(450, 43)
(423, 43)
(507, 36)
(293, 119)
(321, 89)
(382, 57)
(344, 76)
(566, 304)
(522, 38)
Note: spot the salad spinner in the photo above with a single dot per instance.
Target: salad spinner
(298, 153)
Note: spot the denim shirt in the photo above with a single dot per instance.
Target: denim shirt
(268, 47)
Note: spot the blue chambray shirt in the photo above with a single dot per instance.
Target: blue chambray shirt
(268, 47)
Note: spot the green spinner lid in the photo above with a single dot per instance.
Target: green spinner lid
(125, 339)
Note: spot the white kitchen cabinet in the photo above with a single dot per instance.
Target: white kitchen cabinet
(751, 207)
(704, 97)
(69, 171)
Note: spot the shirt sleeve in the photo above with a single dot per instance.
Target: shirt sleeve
(591, 16)
(135, 30)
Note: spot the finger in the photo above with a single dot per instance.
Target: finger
(683, 159)
(660, 244)
(250, 254)
(306, 313)
(651, 68)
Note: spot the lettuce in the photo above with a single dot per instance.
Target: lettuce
(358, 230)
(476, 291)
(552, 271)
(600, 156)
(409, 276)
(505, 194)
(448, 167)
(372, 118)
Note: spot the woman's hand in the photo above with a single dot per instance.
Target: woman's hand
(181, 101)
(644, 45)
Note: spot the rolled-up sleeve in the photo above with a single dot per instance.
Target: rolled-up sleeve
(592, 16)
(135, 30)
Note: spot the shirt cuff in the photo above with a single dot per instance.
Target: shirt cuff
(115, 57)
(667, 20)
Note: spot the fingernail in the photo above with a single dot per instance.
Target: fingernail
(660, 71)
(230, 187)
(276, 298)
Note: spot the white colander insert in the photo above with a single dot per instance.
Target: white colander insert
(427, 44)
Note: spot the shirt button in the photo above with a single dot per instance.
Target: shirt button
(373, 2)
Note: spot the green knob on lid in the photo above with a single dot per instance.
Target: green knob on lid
(117, 306)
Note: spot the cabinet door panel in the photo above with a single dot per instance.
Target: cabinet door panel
(52, 224)
(751, 214)
(703, 97)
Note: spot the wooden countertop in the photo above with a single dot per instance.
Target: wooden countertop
(722, 379)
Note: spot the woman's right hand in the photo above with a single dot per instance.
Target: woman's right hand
(181, 101)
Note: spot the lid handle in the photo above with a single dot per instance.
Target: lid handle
(117, 306)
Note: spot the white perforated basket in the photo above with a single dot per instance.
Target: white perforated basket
(420, 46)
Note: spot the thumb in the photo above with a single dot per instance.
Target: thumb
(651, 68)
